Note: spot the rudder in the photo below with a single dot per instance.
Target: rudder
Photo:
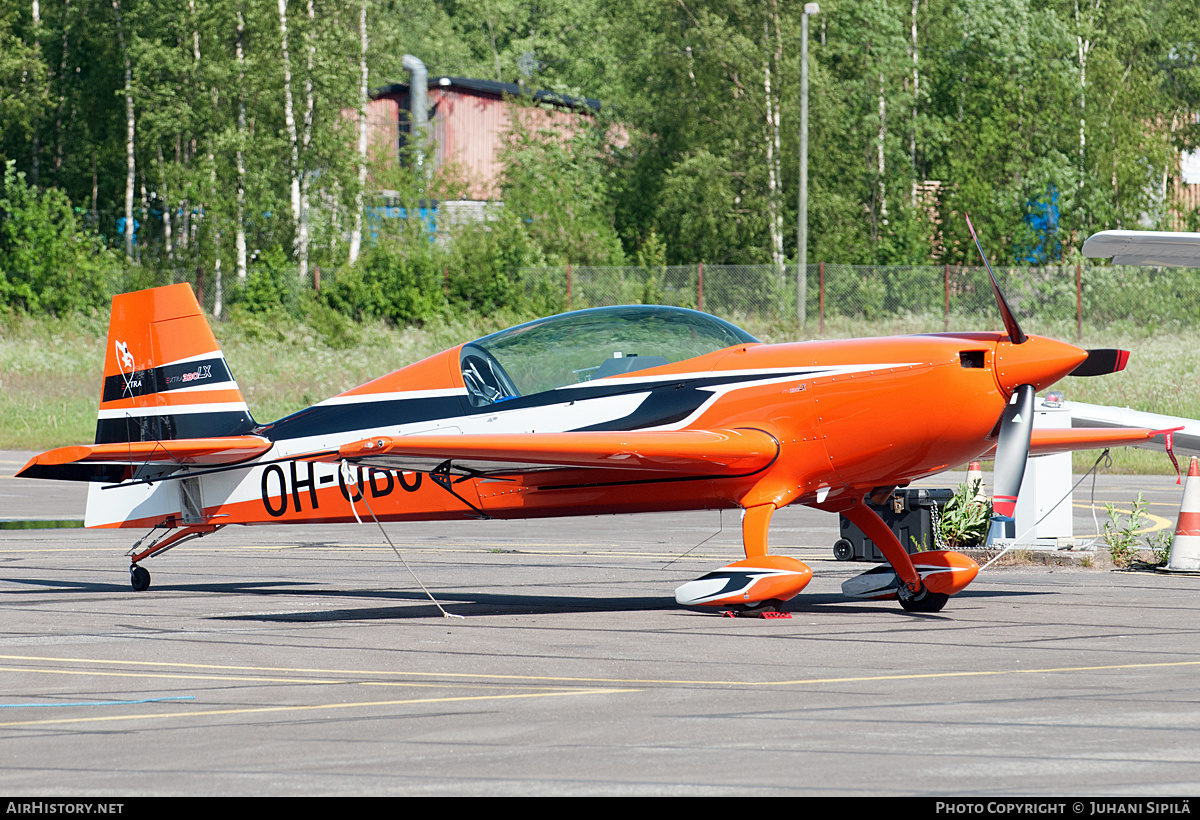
(165, 376)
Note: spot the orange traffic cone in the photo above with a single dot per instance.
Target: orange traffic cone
(975, 474)
(1185, 546)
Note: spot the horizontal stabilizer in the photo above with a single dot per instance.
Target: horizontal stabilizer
(119, 461)
(680, 452)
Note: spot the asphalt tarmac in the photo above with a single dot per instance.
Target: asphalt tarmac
(298, 661)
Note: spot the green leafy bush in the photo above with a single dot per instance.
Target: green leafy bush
(48, 262)
(271, 286)
(400, 282)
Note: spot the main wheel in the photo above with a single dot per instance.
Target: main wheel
(843, 550)
(139, 578)
(758, 607)
(929, 602)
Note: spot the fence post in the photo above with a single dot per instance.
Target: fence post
(568, 286)
(1078, 301)
(317, 279)
(821, 297)
(946, 297)
(700, 286)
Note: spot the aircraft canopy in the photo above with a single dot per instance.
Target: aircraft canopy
(590, 344)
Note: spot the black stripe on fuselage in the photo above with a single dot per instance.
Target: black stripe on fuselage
(199, 373)
(324, 419)
(169, 426)
(670, 401)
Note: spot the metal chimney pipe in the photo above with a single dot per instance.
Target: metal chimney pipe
(418, 104)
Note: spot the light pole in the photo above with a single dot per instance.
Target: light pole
(802, 209)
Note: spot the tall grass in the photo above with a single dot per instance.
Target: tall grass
(50, 369)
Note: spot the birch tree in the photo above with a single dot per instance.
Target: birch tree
(356, 233)
(130, 164)
(240, 240)
(290, 121)
(773, 47)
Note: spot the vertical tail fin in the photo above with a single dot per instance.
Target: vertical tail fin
(165, 377)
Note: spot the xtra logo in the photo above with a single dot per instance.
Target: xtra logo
(204, 371)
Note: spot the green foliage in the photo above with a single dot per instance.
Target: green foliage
(48, 263)
(486, 260)
(697, 210)
(695, 143)
(394, 281)
(1160, 546)
(22, 87)
(1121, 532)
(964, 520)
(557, 185)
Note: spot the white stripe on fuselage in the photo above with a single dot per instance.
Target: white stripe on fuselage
(174, 409)
(399, 395)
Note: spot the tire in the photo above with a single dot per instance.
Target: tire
(843, 550)
(929, 602)
(139, 578)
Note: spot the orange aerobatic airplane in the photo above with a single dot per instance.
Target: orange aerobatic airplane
(609, 410)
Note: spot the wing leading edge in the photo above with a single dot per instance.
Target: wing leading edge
(1045, 442)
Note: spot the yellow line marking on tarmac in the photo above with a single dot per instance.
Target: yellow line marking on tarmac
(258, 679)
(171, 675)
(626, 681)
(1160, 523)
(266, 709)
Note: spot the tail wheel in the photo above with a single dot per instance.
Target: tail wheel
(139, 578)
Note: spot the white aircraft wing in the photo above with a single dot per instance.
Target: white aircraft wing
(1167, 248)
(1186, 441)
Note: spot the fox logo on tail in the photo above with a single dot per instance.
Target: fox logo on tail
(125, 358)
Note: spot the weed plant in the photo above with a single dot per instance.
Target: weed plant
(1122, 531)
(964, 520)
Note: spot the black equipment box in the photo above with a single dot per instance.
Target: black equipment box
(909, 514)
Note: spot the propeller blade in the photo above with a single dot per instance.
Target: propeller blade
(1010, 321)
(1012, 451)
(1102, 361)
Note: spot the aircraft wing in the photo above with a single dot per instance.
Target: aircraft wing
(680, 452)
(1048, 441)
(1168, 248)
(1186, 440)
(122, 460)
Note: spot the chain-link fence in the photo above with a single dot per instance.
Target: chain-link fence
(839, 299)
(921, 298)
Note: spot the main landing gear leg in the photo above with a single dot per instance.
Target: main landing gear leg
(756, 523)
(912, 594)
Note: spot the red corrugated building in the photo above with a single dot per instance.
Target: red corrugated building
(468, 123)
